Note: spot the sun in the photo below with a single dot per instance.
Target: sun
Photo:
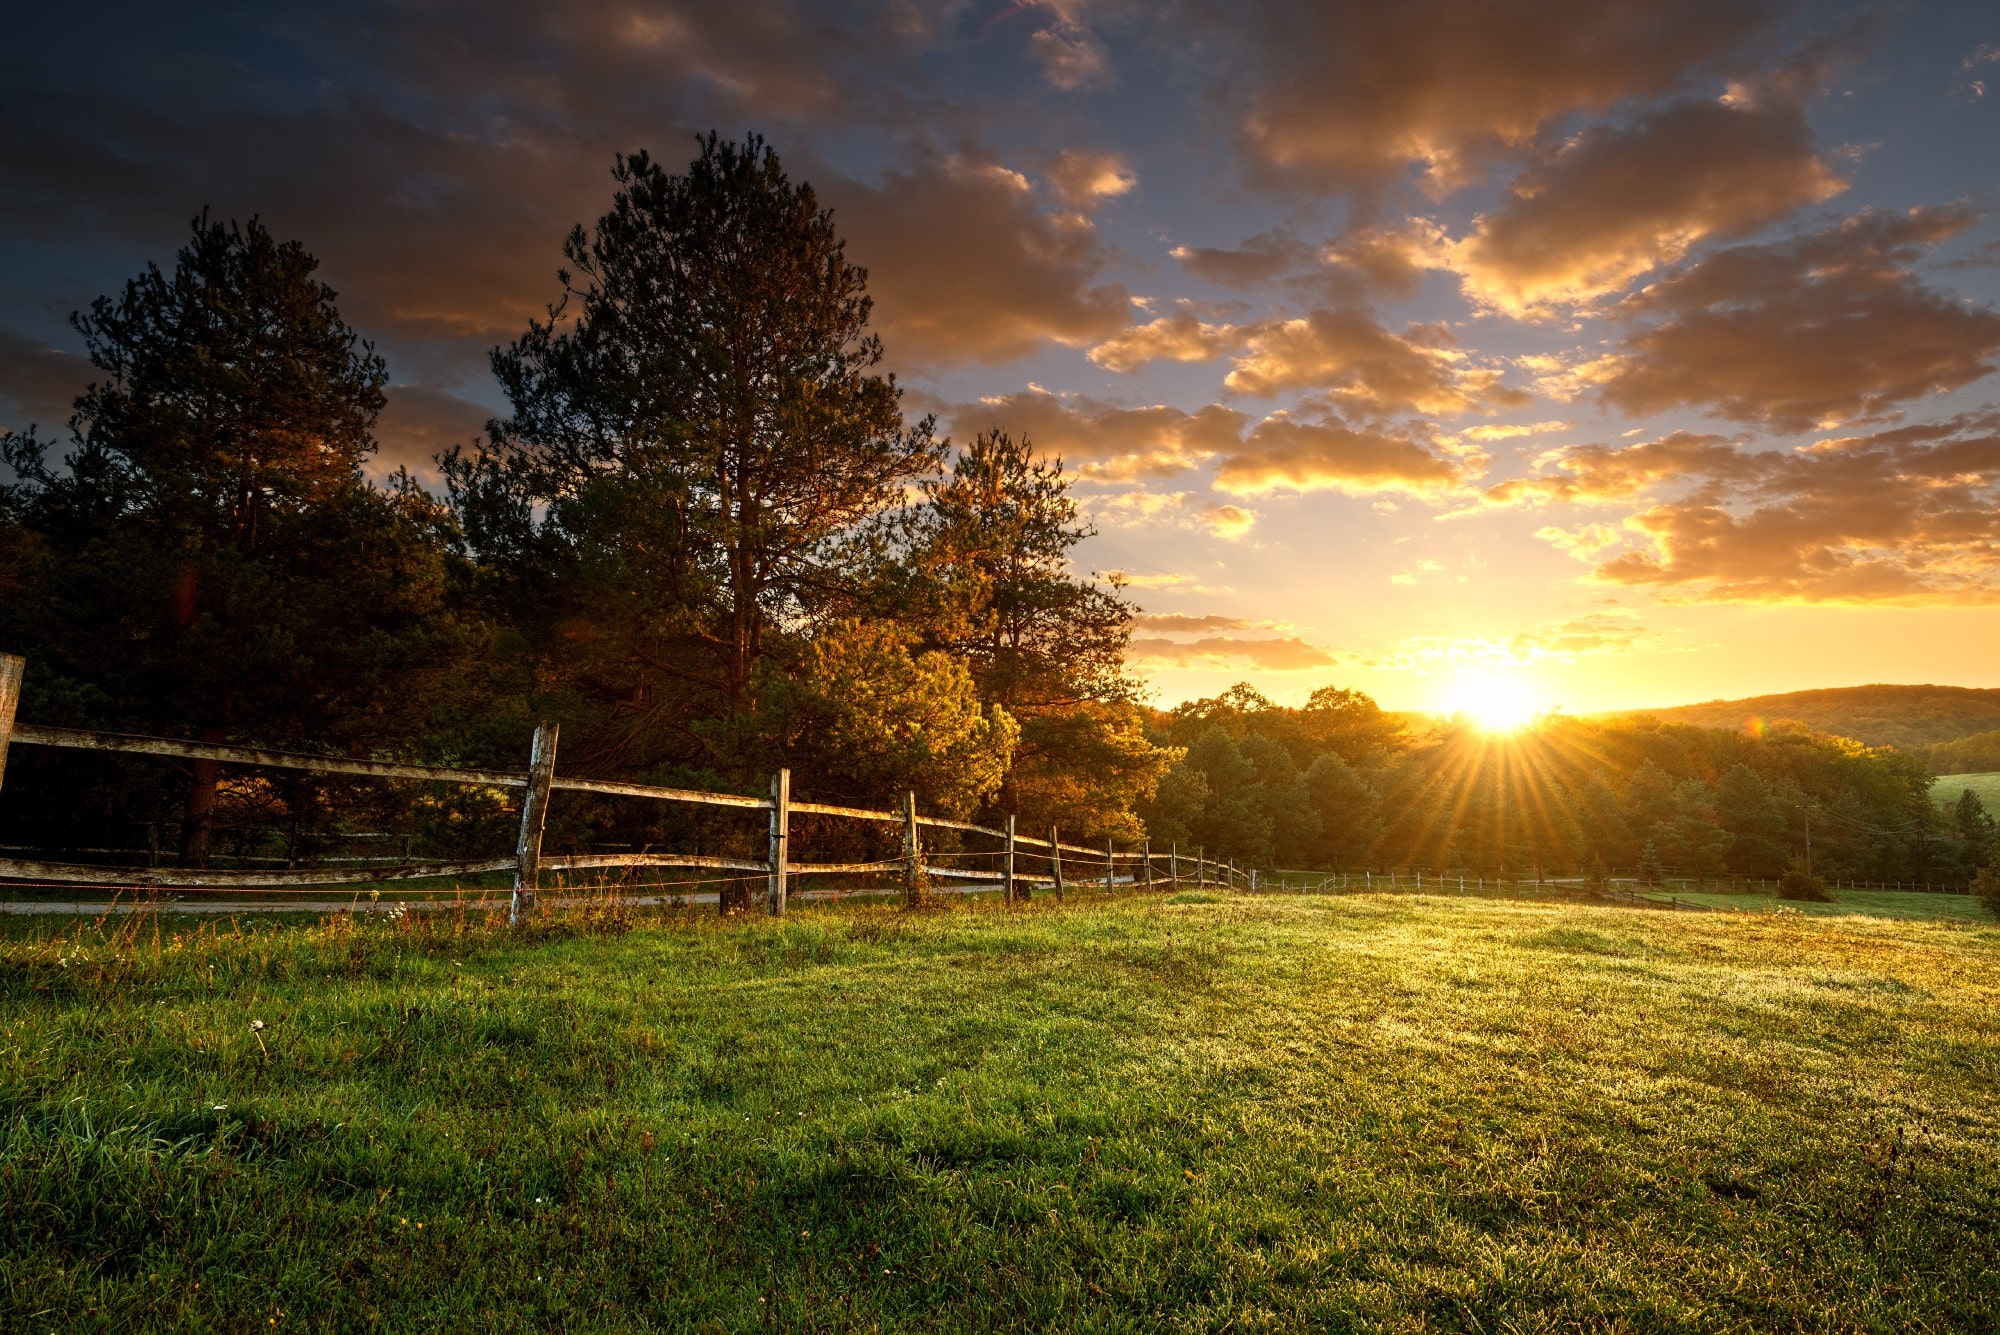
(1496, 701)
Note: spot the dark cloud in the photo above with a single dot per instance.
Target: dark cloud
(1101, 440)
(1352, 92)
(38, 384)
(1617, 201)
(1822, 329)
(1251, 264)
(965, 266)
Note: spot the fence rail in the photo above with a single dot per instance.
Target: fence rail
(540, 780)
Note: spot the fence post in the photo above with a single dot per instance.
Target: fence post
(781, 838)
(1007, 887)
(534, 814)
(1174, 863)
(12, 666)
(913, 890)
(1146, 850)
(1253, 880)
(1110, 865)
(1055, 859)
(1200, 865)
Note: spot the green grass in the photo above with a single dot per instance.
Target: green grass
(1949, 787)
(1907, 905)
(1196, 1112)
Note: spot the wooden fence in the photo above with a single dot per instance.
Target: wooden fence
(1106, 866)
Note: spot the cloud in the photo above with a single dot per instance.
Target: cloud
(1289, 654)
(1069, 55)
(1906, 516)
(1179, 583)
(1593, 634)
(1255, 262)
(1100, 440)
(1178, 509)
(1184, 623)
(1821, 329)
(1180, 337)
(1617, 201)
(1084, 180)
(1350, 356)
(1352, 92)
(964, 267)
(1331, 455)
(39, 384)
(1599, 474)
(418, 424)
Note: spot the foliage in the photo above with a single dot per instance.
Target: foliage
(1066, 1118)
(697, 429)
(1986, 889)
(1799, 883)
(1912, 718)
(867, 721)
(208, 558)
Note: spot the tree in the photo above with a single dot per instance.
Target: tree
(697, 430)
(1650, 870)
(209, 557)
(981, 567)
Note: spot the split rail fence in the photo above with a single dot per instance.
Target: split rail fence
(1088, 866)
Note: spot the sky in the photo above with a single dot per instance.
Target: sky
(1592, 354)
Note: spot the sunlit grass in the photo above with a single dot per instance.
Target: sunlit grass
(1189, 1112)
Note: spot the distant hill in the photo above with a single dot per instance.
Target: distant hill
(1913, 718)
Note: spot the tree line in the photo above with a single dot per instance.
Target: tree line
(1339, 784)
(708, 541)
(705, 538)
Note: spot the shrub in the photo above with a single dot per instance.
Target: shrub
(1985, 888)
(1798, 883)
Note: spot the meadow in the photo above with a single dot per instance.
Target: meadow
(1193, 1111)
(1947, 788)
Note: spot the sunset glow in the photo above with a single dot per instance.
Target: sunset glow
(1652, 343)
(1495, 701)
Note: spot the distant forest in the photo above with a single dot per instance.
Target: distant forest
(1912, 718)
(707, 540)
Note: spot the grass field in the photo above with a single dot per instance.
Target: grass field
(1950, 786)
(1190, 1112)
(1908, 905)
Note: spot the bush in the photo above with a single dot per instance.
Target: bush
(1985, 888)
(1798, 883)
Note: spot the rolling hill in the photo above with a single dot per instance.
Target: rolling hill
(1910, 717)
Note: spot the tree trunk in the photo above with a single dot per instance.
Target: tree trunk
(199, 822)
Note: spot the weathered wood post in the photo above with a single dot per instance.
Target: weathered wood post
(1055, 860)
(781, 838)
(1008, 890)
(1174, 863)
(1201, 864)
(534, 814)
(913, 888)
(1110, 865)
(12, 666)
(1253, 880)
(1146, 850)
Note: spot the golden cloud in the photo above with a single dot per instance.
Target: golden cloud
(1350, 356)
(1908, 516)
(1289, 654)
(1084, 180)
(1180, 337)
(1828, 328)
(1333, 456)
(1102, 441)
(1617, 201)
